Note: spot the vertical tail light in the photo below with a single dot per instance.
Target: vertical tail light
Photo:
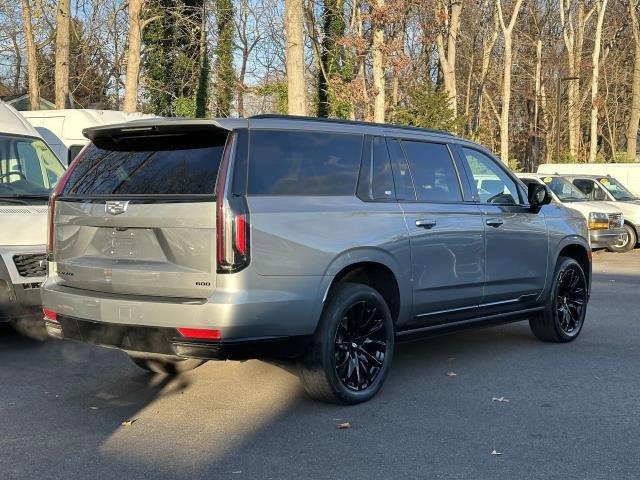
(232, 219)
(62, 182)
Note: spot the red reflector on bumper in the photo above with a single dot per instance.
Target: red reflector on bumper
(50, 315)
(202, 333)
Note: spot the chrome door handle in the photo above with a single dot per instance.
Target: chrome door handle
(426, 223)
(494, 222)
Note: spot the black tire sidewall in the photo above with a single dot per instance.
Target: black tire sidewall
(346, 296)
(563, 264)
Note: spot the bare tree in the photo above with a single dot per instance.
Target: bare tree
(133, 55)
(507, 33)
(62, 53)
(574, 20)
(32, 56)
(489, 41)
(294, 31)
(634, 115)
(448, 14)
(595, 72)
(379, 84)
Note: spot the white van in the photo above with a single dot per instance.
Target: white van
(627, 173)
(62, 129)
(29, 171)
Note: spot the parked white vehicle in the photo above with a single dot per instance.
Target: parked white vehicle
(627, 173)
(62, 129)
(608, 190)
(605, 222)
(29, 171)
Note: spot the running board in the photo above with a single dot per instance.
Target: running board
(477, 322)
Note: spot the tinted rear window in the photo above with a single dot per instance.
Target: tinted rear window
(303, 163)
(184, 165)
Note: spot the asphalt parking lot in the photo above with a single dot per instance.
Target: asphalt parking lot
(550, 411)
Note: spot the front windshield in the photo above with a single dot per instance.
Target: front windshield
(616, 189)
(28, 168)
(564, 189)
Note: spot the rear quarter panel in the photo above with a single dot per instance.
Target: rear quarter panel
(319, 236)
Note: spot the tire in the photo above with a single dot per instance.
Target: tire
(630, 244)
(165, 367)
(355, 334)
(565, 310)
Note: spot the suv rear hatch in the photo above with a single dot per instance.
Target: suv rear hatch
(137, 212)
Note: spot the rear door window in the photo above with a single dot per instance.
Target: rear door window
(434, 175)
(182, 165)
(303, 163)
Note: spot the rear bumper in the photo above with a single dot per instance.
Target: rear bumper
(167, 341)
(606, 238)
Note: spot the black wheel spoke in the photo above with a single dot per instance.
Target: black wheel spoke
(360, 345)
(571, 297)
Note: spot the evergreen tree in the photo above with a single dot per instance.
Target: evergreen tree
(225, 75)
(173, 59)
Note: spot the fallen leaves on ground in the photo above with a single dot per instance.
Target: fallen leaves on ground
(128, 423)
(344, 425)
(500, 399)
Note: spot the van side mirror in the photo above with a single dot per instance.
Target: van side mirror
(599, 194)
(538, 195)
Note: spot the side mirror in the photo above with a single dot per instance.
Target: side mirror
(599, 194)
(538, 195)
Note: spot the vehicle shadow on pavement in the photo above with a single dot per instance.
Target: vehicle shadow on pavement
(439, 414)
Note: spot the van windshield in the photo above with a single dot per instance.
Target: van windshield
(28, 168)
(616, 189)
(564, 189)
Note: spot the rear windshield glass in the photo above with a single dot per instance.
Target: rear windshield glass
(303, 163)
(183, 165)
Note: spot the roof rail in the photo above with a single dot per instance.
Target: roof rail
(347, 122)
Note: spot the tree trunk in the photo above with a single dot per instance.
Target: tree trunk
(536, 105)
(634, 116)
(294, 33)
(487, 49)
(379, 84)
(506, 99)
(32, 57)
(595, 72)
(63, 24)
(447, 54)
(507, 32)
(133, 55)
(574, 41)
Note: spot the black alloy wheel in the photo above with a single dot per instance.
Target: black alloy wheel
(360, 346)
(565, 310)
(571, 300)
(352, 349)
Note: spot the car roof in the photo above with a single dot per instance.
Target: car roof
(267, 122)
(537, 175)
(589, 176)
(12, 123)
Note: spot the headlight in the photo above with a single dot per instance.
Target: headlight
(598, 221)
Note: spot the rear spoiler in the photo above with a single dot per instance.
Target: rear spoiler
(160, 126)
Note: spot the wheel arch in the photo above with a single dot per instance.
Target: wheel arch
(579, 252)
(377, 269)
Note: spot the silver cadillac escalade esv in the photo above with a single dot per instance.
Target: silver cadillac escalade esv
(316, 241)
